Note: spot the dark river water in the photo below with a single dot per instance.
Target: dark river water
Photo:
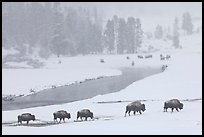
(80, 91)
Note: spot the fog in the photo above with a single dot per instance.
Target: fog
(139, 9)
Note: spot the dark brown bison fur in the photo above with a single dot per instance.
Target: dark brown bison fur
(173, 103)
(61, 114)
(135, 106)
(25, 117)
(84, 113)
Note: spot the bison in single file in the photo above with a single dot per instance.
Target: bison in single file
(62, 114)
(135, 106)
(25, 117)
(173, 103)
(84, 113)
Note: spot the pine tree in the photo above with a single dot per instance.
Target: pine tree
(139, 35)
(131, 34)
(175, 34)
(109, 36)
(187, 24)
(158, 32)
(116, 28)
(121, 36)
(58, 42)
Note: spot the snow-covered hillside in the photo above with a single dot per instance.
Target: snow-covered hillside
(182, 79)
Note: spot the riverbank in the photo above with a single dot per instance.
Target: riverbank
(80, 91)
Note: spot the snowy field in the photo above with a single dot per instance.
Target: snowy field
(182, 79)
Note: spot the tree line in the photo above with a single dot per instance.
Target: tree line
(50, 29)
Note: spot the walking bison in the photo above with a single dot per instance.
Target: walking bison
(173, 103)
(135, 106)
(84, 113)
(62, 114)
(25, 117)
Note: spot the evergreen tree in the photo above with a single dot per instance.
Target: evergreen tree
(187, 24)
(58, 41)
(131, 34)
(158, 32)
(175, 34)
(139, 35)
(121, 36)
(116, 33)
(109, 36)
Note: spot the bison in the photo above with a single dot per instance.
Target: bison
(173, 103)
(140, 56)
(164, 67)
(148, 56)
(61, 114)
(84, 113)
(102, 61)
(25, 117)
(135, 106)
(133, 63)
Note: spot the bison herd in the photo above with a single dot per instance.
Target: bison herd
(135, 106)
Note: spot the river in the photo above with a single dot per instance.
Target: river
(81, 91)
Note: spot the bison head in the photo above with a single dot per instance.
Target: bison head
(181, 106)
(143, 107)
(68, 115)
(33, 117)
(91, 115)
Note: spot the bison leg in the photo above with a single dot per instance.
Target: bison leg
(125, 114)
(140, 112)
(64, 119)
(27, 122)
(129, 113)
(60, 120)
(20, 122)
(172, 109)
(134, 112)
(85, 118)
(177, 109)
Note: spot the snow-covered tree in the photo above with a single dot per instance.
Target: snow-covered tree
(58, 45)
(131, 35)
(121, 36)
(175, 37)
(138, 35)
(187, 24)
(109, 36)
(116, 28)
(158, 32)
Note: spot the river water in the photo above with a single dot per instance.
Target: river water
(81, 91)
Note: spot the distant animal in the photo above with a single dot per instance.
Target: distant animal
(25, 117)
(140, 57)
(61, 114)
(148, 56)
(127, 57)
(162, 57)
(135, 106)
(173, 103)
(133, 63)
(84, 113)
(164, 67)
(102, 60)
(168, 57)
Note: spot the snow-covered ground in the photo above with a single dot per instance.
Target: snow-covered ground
(182, 79)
